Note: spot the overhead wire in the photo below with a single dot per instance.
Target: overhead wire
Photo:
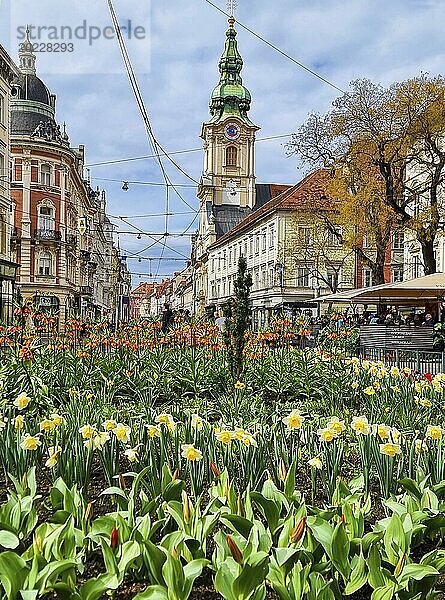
(277, 49)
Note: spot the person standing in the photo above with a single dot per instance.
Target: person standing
(167, 317)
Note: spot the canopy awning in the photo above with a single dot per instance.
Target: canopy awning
(421, 290)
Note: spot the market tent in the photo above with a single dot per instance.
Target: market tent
(430, 288)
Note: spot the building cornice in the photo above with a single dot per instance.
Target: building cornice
(8, 69)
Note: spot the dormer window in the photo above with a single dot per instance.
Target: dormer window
(45, 174)
(231, 156)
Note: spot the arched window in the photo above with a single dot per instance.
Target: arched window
(46, 218)
(45, 174)
(231, 156)
(45, 263)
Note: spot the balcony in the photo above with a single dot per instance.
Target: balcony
(86, 290)
(50, 235)
(71, 240)
(15, 236)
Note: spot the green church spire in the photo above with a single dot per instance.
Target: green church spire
(230, 98)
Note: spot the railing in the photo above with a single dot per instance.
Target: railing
(47, 234)
(424, 361)
(71, 240)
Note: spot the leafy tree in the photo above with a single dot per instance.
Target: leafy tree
(387, 145)
(237, 313)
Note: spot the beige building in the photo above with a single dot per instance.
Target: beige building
(292, 252)
(8, 72)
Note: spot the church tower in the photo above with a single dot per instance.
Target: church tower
(228, 177)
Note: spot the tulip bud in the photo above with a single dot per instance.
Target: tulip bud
(114, 538)
(400, 565)
(174, 552)
(297, 532)
(89, 511)
(342, 519)
(175, 474)
(214, 469)
(38, 543)
(122, 482)
(234, 550)
(282, 473)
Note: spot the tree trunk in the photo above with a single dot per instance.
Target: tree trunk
(429, 260)
(378, 271)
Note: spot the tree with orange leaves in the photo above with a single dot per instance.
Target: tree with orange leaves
(385, 147)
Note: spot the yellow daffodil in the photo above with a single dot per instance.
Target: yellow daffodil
(22, 401)
(53, 453)
(336, 425)
(57, 419)
(197, 422)
(238, 434)
(382, 431)
(326, 434)
(395, 372)
(224, 436)
(19, 422)
(389, 449)
(166, 420)
(249, 440)
(87, 432)
(191, 453)
(109, 424)
(122, 432)
(376, 385)
(406, 371)
(420, 446)
(395, 389)
(153, 431)
(132, 454)
(434, 432)
(369, 391)
(354, 385)
(360, 425)
(46, 425)
(30, 442)
(239, 385)
(425, 402)
(315, 463)
(373, 369)
(294, 420)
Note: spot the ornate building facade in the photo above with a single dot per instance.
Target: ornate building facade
(8, 72)
(62, 238)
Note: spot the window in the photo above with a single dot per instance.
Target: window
(303, 276)
(46, 218)
(2, 110)
(18, 169)
(366, 242)
(257, 244)
(45, 174)
(398, 238)
(35, 171)
(416, 266)
(231, 156)
(3, 174)
(332, 278)
(367, 277)
(397, 274)
(263, 240)
(230, 256)
(271, 276)
(305, 236)
(271, 236)
(333, 235)
(250, 246)
(45, 263)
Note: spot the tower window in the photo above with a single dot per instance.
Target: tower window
(231, 156)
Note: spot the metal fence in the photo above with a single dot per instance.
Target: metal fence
(424, 361)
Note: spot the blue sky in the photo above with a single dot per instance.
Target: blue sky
(176, 65)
